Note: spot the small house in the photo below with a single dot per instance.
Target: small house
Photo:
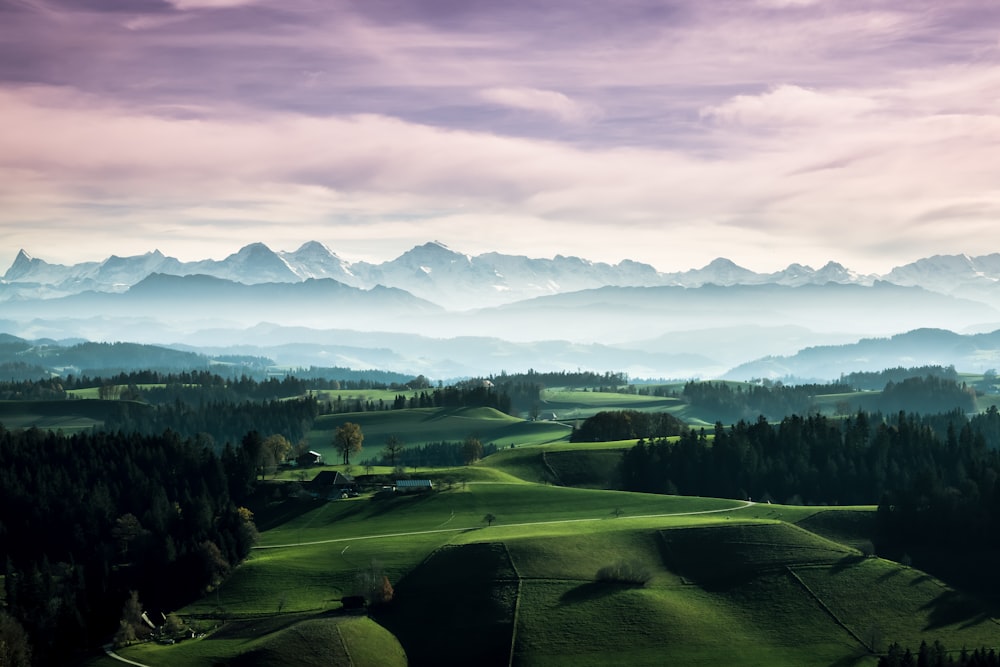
(310, 458)
(413, 485)
(332, 484)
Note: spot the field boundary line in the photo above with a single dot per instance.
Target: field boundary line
(343, 642)
(517, 605)
(827, 609)
(551, 470)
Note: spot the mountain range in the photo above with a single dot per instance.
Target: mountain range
(444, 314)
(457, 281)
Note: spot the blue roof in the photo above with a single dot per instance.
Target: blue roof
(413, 483)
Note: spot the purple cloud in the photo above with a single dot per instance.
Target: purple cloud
(713, 127)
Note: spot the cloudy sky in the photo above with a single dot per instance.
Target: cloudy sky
(670, 132)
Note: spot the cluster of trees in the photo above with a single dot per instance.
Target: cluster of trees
(471, 394)
(815, 459)
(217, 422)
(161, 515)
(437, 454)
(930, 393)
(612, 425)
(338, 377)
(935, 479)
(729, 403)
(875, 380)
(935, 655)
(524, 390)
(22, 389)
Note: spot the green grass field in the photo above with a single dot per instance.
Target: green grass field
(744, 584)
(426, 425)
(728, 582)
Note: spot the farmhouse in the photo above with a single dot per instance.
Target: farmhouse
(332, 484)
(413, 485)
(309, 458)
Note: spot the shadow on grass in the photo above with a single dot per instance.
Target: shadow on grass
(954, 608)
(383, 505)
(273, 517)
(862, 657)
(255, 628)
(593, 590)
(894, 572)
(846, 562)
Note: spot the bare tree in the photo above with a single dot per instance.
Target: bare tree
(393, 448)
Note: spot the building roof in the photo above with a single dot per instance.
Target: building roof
(413, 484)
(332, 478)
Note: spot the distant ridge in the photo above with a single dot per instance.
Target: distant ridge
(457, 281)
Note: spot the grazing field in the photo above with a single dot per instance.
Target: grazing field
(69, 416)
(428, 425)
(502, 564)
(571, 404)
(724, 581)
(291, 640)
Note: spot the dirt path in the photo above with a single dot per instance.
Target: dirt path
(112, 654)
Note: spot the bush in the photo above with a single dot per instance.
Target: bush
(625, 572)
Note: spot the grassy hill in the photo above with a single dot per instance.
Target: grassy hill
(427, 425)
(728, 581)
(747, 584)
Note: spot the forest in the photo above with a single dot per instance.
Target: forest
(161, 515)
(934, 392)
(935, 478)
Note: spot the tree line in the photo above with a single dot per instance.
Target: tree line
(443, 454)
(935, 479)
(216, 422)
(610, 425)
(935, 655)
(729, 403)
(158, 514)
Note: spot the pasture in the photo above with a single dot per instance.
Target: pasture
(727, 580)
(429, 425)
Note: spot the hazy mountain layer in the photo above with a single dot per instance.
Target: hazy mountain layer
(458, 281)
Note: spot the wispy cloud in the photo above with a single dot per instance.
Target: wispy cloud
(547, 102)
(820, 129)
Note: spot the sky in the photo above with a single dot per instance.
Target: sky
(669, 132)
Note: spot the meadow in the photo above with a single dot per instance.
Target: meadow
(749, 584)
(724, 581)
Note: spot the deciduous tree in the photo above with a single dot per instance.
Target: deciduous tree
(347, 440)
(472, 450)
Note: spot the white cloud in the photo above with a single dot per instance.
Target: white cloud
(790, 105)
(548, 102)
(211, 4)
(838, 174)
(782, 4)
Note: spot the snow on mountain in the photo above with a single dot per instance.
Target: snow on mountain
(315, 260)
(719, 271)
(252, 264)
(458, 281)
(127, 271)
(28, 269)
(946, 273)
